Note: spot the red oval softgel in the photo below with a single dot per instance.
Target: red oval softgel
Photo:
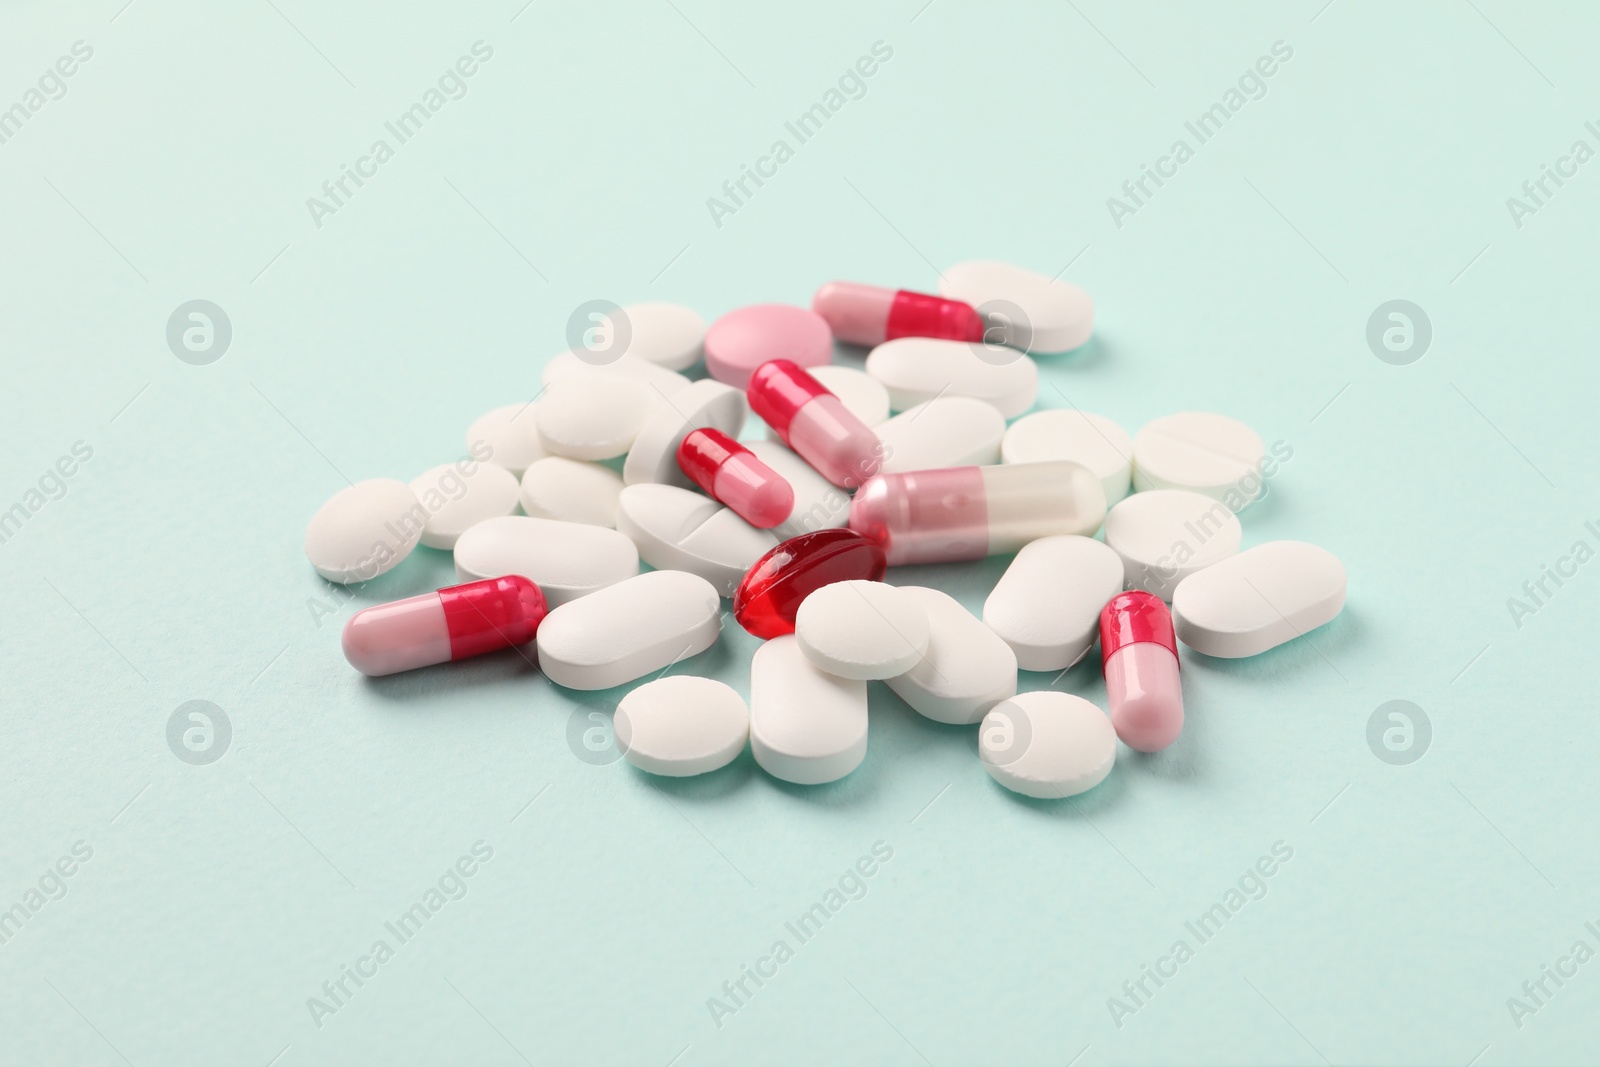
(766, 601)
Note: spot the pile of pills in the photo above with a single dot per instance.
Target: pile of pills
(623, 462)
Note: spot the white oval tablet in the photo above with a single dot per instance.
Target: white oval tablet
(506, 436)
(571, 490)
(1047, 604)
(1165, 535)
(625, 631)
(676, 529)
(364, 530)
(806, 726)
(1259, 599)
(861, 394)
(593, 416)
(818, 503)
(1046, 744)
(947, 431)
(1092, 441)
(460, 495)
(682, 725)
(1203, 453)
(668, 335)
(565, 365)
(1025, 309)
(862, 630)
(564, 559)
(654, 455)
(915, 369)
(966, 670)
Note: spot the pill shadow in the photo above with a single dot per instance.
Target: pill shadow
(1317, 650)
(425, 570)
(1081, 807)
(1096, 350)
(511, 666)
(714, 785)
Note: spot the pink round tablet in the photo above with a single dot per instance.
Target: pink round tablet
(747, 337)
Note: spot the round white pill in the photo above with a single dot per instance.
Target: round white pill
(1165, 535)
(676, 529)
(506, 436)
(1092, 441)
(654, 455)
(915, 369)
(364, 530)
(1203, 453)
(1047, 604)
(818, 503)
(564, 559)
(625, 631)
(668, 335)
(565, 365)
(1259, 599)
(682, 725)
(1046, 744)
(966, 670)
(1020, 307)
(459, 495)
(806, 726)
(593, 416)
(947, 431)
(862, 630)
(571, 490)
(861, 394)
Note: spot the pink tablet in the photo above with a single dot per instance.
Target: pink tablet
(747, 337)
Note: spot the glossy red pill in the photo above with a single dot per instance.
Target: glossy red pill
(766, 601)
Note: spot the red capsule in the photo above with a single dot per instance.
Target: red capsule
(733, 475)
(1139, 655)
(766, 601)
(815, 423)
(453, 623)
(870, 315)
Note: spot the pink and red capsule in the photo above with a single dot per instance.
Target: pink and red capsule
(815, 423)
(733, 475)
(1139, 653)
(457, 622)
(869, 315)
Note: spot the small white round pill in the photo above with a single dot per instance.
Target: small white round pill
(1165, 535)
(967, 669)
(1203, 453)
(1022, 308)
(1047, 744)
(654, 455)
(507, 437)
(682, 725)
(1259, 599)
(806, 726)
(668, 335)
(593, 416)
(915, 369)
(572, 490)
(947, 431)
(564, 559)
(1092, 441)
(364, 530)
(862, 630)
(566, 365)
(460, 495)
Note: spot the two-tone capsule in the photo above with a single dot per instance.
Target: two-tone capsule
(869, 315)
(456, 622)
(815, 423)
(1139, 654)
(733, 475)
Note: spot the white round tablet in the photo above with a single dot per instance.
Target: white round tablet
(1047, 604)
(1259, 599)
(668, 335)
(967, 669)
(1203, 453)
(564, 559)
(1047, 744)
(915, 369)
(507, 437)
(1020, 307)
(364, 530)
(572, 490)
(625, 631)
(806, 726)
(593, 416)
(460, 495)
(1092, 441)
(682, 725)
(654, 455)
(676, 529)
(566, 365)
(861, 394)
(1165, 535)
(947, 431)
(862, 630)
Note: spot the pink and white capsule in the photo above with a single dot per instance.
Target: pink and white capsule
(815, 423)
(732, 474)
(1140, 656)
(453, 623)
(869, 315)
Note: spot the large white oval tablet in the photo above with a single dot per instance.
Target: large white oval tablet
(460, 495)
(1046, 606)
(947, 431)
(862, 630)
(806, 726)
(564, 559)
(966, 670)
(1165, 535)
(915, 369)
(593, 416)
(625, 631)
(818, 503)
(364, 530)
(571, 490)
(585, 364)
(1203, 453)
(668, 335)
(1259, 599)
(654, 455)
(680, 530)
(1023, 308)
(1092, 441)
(682, 725)
(861, 394)
(1047, 744)
(506, 436)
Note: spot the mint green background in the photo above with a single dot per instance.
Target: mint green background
(219, 898)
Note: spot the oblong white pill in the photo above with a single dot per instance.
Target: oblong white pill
(571, 490)
(564, 559)
(1203, 453)
(364, 530)
(1047, 604)
(507, 436)
(861, 394)
(1165, 535)
(460, 495)
(915, 369)
(947, 431)
(676, 529)
(625, 631)
(654, 455)
(1023, 308)
(862, 630)
(681, 725)
(818, 503)
(565, 365)
(593, 416)
(1259, 599)
(668, 335)
(1047, 744)
(806, 726)
(966, 670)
(1092, 441)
